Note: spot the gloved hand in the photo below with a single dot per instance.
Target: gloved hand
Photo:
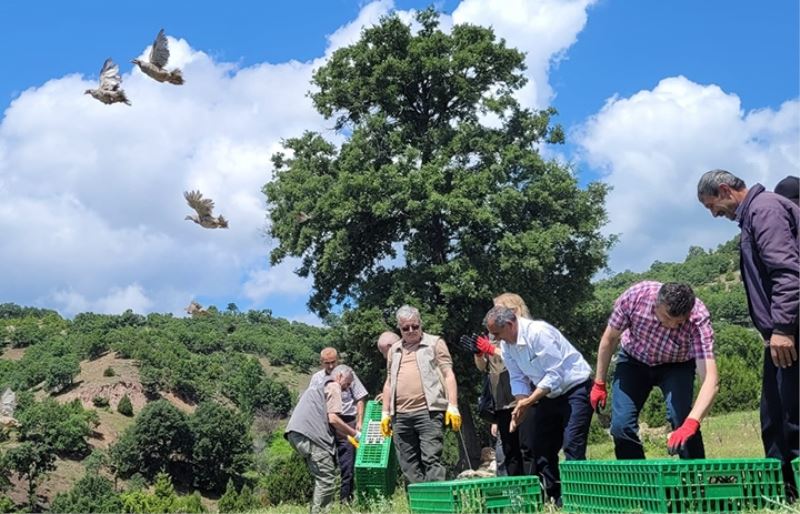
(484, 345)
(682, 434)
(598, 395)
(354, 440)
(386, 425)
(453, 418)
(468, 343)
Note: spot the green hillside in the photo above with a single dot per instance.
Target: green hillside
(160, 404)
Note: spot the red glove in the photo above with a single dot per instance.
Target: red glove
(598, 396)
(485, 346)
(682, 434)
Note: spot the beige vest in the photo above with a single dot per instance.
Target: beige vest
(429, 372)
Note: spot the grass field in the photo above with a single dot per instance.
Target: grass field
(735, 435)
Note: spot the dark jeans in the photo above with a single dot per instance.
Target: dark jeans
(518, 457)
(779, 416)
(560, 423)
(633, 381)
(419, 440)
(346, 455)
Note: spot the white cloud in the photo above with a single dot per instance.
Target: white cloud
(278, 280)
(116, 302)
(653, 147)
(544, 30)
(91, 203)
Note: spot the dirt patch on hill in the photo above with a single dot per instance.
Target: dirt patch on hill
(13, 354)
(91, 383)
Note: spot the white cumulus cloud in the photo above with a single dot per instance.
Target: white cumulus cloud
(653, 147)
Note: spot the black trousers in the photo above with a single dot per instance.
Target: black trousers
(517, 445)
(779, 416)
(560, 423)
(346, 455)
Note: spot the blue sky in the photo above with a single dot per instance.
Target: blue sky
(651, 94)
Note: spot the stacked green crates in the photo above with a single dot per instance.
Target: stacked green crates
(500, 494)
(796, 469)
(667, 485)
(376, 461)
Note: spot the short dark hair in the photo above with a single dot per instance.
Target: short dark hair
(677, 298)
(502, 316)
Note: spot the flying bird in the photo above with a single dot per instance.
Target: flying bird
(110, 90)
(203, 206)
(154, 66)
(302, 217)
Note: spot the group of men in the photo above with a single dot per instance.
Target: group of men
(664, 335)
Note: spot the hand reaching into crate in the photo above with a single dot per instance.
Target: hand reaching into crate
(682, 434)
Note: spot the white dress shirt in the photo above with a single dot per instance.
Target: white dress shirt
(542, 357)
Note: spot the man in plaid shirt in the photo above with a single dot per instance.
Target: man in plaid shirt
(666, 336)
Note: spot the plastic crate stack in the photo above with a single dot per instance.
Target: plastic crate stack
(796, 469)
(719, 485)
(376, 462)
(500, 494)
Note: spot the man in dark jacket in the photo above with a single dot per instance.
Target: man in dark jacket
(770, 266)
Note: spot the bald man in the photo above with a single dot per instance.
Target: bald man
(385, 341)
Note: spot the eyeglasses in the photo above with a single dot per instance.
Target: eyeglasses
(409, 328)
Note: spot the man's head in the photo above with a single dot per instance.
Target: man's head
(343, 375)
(409, 323)
(502, 324)
(328, 359)
(385, 341)
(674, 304)
(789, 188)
(721, 192)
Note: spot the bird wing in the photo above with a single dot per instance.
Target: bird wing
(203, 206)
(159, 52)
(109, 76)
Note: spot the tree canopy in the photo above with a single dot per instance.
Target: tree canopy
(439, 195)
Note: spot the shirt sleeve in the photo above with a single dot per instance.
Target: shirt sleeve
(357, 389)
(547, 350)
(620, 318)
(520, 384)
(702, 334)
(443, 358)
(333, 398)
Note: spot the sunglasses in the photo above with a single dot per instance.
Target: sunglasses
(409, 328)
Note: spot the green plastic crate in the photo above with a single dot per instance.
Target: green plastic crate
(499, 494)
(376, 462)
(723, 485)
(796, 469)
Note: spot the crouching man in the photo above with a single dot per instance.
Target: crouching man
(311, 432)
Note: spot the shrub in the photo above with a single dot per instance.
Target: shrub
(288, 481)
(100, 402)
(92, 493)
(125, 407)
(109, 372)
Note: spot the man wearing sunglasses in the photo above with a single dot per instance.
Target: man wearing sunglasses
(420, 398)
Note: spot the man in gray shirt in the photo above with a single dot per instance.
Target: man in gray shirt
(353, 398)
(310, 431)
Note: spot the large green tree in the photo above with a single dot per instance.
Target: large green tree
(438, 195)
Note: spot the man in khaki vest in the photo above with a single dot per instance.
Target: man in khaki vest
(420, 397)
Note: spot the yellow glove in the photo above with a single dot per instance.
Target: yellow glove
(386, 425)
(453, 418)
(354, 440)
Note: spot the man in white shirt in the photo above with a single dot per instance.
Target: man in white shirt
(552, 379)
(352, 413)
